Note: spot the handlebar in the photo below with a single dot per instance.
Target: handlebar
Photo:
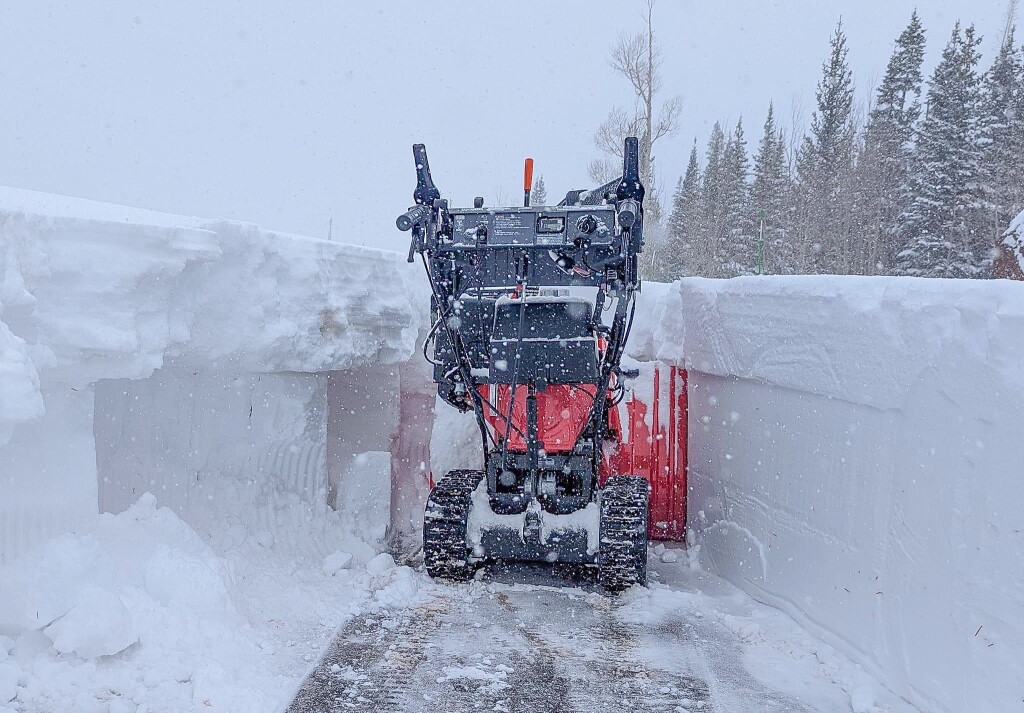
(414, 216)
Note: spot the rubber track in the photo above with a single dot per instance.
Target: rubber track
(622, 557)
(444, 526)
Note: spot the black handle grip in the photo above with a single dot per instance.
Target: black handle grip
(631, 159)
(630, 186)
(426, 191)
(413, 216)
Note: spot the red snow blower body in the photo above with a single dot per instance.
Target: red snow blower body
(531, 308)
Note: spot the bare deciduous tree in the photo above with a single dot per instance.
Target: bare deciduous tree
(637, 58)
(1009, 19)
(603, 170)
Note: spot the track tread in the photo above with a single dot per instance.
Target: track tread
(622, 557)
(445, 551)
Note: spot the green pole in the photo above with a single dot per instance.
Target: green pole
(760, 246)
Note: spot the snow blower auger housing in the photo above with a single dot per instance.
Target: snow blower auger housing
(531, 309)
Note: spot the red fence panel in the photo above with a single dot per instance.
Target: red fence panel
(653, 444)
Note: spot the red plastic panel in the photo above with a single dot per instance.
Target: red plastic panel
(651, 437)
(654, 446)
(562, 411)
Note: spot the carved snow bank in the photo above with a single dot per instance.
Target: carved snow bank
(855, 460)
(91, 292)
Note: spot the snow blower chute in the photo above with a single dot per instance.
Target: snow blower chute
(531, 309)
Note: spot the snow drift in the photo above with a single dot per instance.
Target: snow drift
(141, 611)
(855, 460)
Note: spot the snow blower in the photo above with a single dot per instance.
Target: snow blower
(531, 309)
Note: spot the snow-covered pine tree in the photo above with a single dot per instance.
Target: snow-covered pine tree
(768, 197)
(884, 164)
(735, 232)
(824, 168)
(1003, 136)
(708, 253)
(945, 234)
(539, 192)
(678, 252)
(1016, 136)
(667, 265)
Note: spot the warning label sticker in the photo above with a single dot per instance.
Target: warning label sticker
(513, 225)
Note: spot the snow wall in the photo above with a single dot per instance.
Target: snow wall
(148, 352)
(855, 460)
(854, 442)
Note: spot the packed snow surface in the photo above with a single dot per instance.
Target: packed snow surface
(855, 460)
(528, 640)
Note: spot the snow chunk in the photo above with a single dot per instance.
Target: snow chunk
(62, 568)
(99, 625)
(862, 699)
(336, 561)
(401, 592)
(586, 519)
(492, 681)
(183, 620)
(364, 495)
(380, 564)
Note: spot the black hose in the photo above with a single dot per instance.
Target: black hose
(430, 335)
(600, 398)
(466, 378)
(476, 394)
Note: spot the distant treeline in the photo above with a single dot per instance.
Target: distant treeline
(923, 182)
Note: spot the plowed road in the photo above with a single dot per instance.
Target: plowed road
(520, 640)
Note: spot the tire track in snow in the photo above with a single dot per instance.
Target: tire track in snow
(367, 666)
(602, 666)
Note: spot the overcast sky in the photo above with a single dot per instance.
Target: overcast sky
(289, 113)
